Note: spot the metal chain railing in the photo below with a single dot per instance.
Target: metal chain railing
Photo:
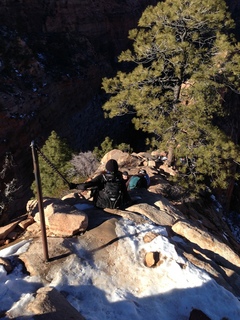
(51, 165)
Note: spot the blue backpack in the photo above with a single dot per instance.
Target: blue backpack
(134, 182)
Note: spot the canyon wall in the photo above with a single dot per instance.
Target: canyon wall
(53, 55)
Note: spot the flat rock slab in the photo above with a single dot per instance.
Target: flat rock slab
(34, 258)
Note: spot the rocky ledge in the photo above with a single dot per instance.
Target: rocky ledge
(202, 236)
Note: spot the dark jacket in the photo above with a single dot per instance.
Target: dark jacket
(110, 191)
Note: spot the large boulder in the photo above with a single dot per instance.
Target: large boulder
(61, 219)
(207, 244)
(51, 304)
(154, 206)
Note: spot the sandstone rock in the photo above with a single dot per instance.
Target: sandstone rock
(149, 260)
(32, 207)
(214, 271)
(168, 169)
(34, 259)
(62, 219)
(156, 208)
(12, 230)
(101, 241)
(4, 231)
(144, 155)
(127, 215)
(152, 259)
(34, 231)
(51, 304)
(158, 153)
(150, 163)
(25, 223)
(66, 225)
(6, 264)
(149, 237)
(72, 198)
(121, 157)
(221, 252)
(166, 207)
(233, 279)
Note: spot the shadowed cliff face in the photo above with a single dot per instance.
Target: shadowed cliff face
(234, 8)
(53, 55)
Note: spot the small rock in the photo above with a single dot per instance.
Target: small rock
(6, 264)
(149, 237)
(152, 259)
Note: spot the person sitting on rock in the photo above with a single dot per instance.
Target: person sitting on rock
(109, 188)
(146, 176)
(125, 176)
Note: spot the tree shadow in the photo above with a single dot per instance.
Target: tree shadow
(92, 302)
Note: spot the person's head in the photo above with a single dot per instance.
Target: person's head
(125, 175)
(142, 172)
(112, 166)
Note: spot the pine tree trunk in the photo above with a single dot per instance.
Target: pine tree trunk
(170, 156)
(229, 191)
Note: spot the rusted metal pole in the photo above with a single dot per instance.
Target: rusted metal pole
(40, 200)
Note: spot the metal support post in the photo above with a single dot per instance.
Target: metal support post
(40, 200)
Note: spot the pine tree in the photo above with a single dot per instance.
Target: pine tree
(183, 61)
(106, 146)
(8, 187)
(59, 154)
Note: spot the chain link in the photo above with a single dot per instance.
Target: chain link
(51, 164)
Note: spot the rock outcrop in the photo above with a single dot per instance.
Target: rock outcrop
(50, 304)
(195, 235)
(222, 253)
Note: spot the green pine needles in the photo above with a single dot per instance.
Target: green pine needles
(59, 154)
(183, 61)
